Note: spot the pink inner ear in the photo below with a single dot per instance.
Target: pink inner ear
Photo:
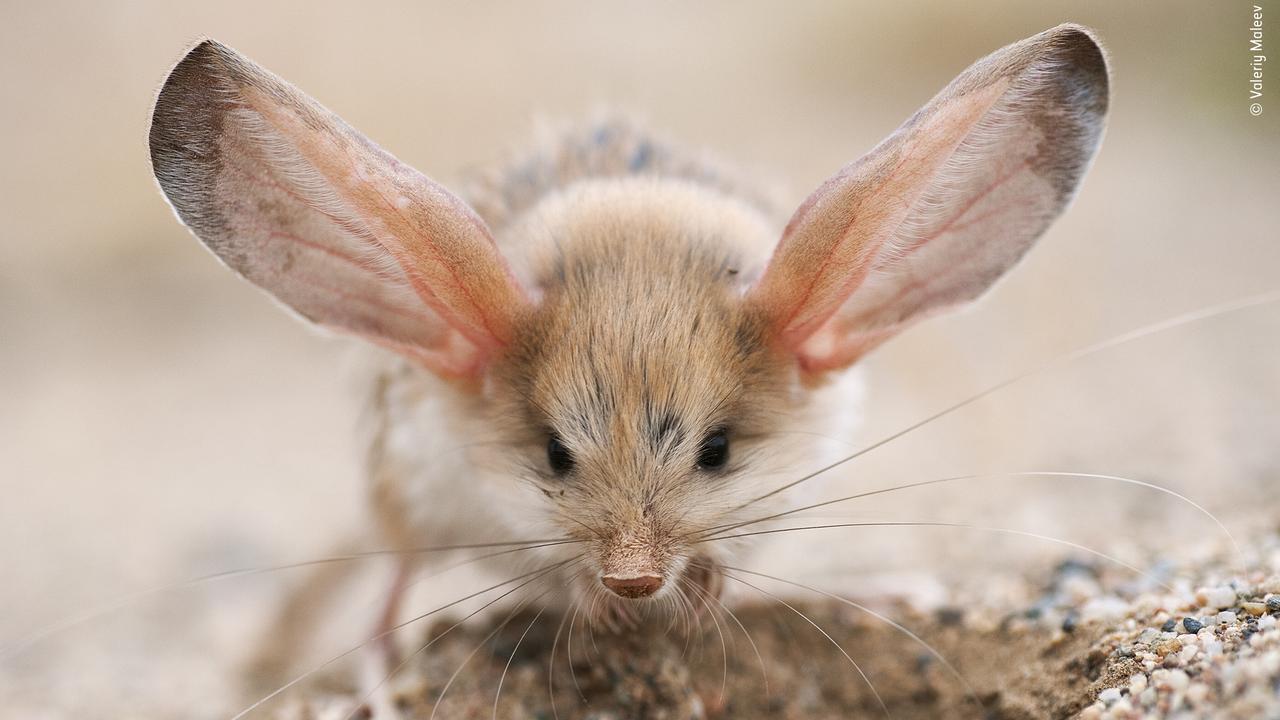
(832, 242)
(443, 247)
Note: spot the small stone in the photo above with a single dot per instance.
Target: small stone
(1110, 695)
(1212, 648)
(1148, 697)
(1273, 604)
(1169, 625)
(1137, 684)
(1106, 607)
(1188, 654)
(1188, 639)
(1266, 622)
(1218, 597)
(1226, 617)
(1093, 712)
(1070, 622)
(1191, 625)
(1198, 693)
(1254, 608)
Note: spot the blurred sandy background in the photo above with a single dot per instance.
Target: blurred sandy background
(160, 419)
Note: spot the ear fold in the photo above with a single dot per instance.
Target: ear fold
(943, 207)
(302, 205)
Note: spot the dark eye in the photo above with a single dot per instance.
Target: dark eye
(714, 452)
(558, 456)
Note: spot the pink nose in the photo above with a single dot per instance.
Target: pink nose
(633, 587)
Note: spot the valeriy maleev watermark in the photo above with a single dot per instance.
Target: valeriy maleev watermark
(1257, 60)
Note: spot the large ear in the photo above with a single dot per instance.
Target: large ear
(302, 205)
(944, 206)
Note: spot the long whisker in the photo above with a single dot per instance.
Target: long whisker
(764, 674)
(963, 478)
(724, 650)
(568, 650)
(1171, 323)
(686, 625)
(871, 686)
(973, 695)
(591, 613)
(379, 636)
(694, 624)
(451, 628)
(492, 633)
(53, 629)
(505, 668)
(551, 663)
(967, 526)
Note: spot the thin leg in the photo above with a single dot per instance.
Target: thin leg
(391, 612)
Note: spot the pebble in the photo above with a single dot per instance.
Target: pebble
(1188, 654)
(1191, 652)
(1217, 597)
(1107, 607)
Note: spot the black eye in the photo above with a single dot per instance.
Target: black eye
(558, 456)
(714, 452)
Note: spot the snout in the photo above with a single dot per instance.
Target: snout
(633, 586)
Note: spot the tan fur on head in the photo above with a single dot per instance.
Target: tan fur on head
(640, 348)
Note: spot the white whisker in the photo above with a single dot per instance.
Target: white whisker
(871, 686)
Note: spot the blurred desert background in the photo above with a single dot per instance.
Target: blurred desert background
(160, 419)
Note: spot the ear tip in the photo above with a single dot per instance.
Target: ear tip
(209, 47)
(1075, 31)
(207, 57)
(1081, 47)
(185, 121)
(189, 83)
(1080, 63)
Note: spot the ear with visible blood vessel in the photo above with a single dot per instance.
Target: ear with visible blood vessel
(305, 207)
(944, 206)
